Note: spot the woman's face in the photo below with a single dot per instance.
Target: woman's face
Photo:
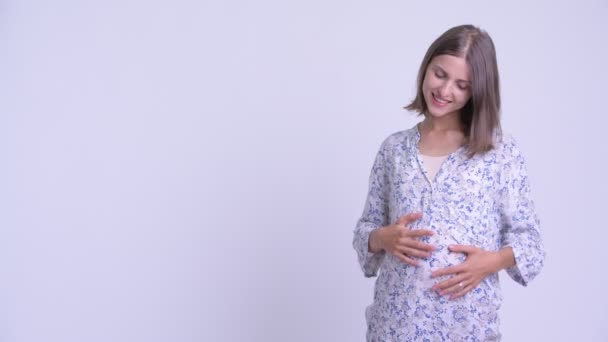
(446, 86)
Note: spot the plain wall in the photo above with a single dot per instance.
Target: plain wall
(193, 171)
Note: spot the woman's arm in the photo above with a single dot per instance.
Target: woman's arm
(375, 215)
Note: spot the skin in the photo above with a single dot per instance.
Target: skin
(441, 133)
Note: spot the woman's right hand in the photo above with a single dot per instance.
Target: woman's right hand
(401, 241)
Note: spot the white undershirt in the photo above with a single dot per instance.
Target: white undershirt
(432, 164)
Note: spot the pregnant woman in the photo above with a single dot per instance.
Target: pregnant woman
(448, 205)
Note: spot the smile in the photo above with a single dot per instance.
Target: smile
(437, 102)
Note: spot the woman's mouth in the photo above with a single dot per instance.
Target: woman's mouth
(439, 102)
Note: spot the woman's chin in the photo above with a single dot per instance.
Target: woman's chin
(438, 114)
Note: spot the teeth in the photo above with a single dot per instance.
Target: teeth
(439, 100)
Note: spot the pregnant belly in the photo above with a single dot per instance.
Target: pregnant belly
(420, 276)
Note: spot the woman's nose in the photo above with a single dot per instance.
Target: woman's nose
(445, 90)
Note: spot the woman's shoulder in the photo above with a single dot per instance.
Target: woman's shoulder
(399, 140)
(506, 146)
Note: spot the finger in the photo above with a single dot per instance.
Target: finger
(425, 247)
(448, 270)
(414, 252)
(409, 218)
(454, 288)
(452, 283)
(465, 289)
(467, 249)
(406, 259)
(419, 232)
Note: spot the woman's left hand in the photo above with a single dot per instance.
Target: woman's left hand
(467, 275)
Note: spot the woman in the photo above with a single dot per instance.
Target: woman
(448, 205)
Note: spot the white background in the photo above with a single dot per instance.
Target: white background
(193, 171)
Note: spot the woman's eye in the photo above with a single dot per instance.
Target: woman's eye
(438, 75)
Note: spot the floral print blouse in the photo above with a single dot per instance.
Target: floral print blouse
(482, 201)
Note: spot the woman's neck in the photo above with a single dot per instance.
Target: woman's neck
(440, 136)
(445, 124)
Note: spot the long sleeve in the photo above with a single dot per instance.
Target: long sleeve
(375, 215)
(520, 226)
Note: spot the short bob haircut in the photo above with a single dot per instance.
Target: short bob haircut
(481, 115)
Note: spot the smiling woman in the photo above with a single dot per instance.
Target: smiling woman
(446, 91)
(448, 205)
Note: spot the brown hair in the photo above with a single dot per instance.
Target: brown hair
(481, 115)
